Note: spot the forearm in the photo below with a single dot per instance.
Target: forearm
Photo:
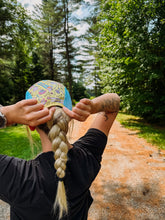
(108, 103)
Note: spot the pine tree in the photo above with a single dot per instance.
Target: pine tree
(56, 27)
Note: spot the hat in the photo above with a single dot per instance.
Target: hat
(50, 93)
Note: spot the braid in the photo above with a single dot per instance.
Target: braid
(58, 129)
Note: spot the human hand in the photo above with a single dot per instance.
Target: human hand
(27, 112)
(81, 111)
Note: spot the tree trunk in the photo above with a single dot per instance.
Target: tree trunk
(66, 32)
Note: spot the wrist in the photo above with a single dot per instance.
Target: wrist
(6, 110)
(94, 106)
(108, 103)
(3, 119)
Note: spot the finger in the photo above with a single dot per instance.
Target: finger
(81, 112)
(34, 116)
(76, 113)
(75, 116)
(71, 114)
(45, 113)
(41, 117)
(86, 101)
(42, 120)
(35, 107)
(80, 117)
(41, 113)
(29, 105)
(47, 118)
(28, 102)
(51, 111)
(68, 112)
(81, 106)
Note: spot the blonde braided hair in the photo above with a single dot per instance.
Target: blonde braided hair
(58, 128)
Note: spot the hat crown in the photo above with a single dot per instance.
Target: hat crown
(50, 93)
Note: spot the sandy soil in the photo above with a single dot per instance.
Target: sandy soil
(131, 183)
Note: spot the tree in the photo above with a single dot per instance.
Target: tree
(89, 46)
(48, 23)
(15, 45)
(22, 57)
(7, 9)
(56, 25)
(132, 55)
(79, 91)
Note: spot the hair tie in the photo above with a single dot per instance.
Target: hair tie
(60, 179)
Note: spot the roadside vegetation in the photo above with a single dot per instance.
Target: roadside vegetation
(153, 133)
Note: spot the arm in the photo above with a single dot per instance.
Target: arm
(106, 105)
(27, 112)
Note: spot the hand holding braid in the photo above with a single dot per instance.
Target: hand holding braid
(58, 129)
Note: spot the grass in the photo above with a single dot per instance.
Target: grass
(14, 142)
(152, 133)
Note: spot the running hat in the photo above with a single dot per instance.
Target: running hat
(50, 93)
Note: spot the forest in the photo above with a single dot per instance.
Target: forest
(122, 50)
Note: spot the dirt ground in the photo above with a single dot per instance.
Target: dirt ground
(131, 183)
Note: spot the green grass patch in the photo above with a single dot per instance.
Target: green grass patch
(15, 142)
(152, 133)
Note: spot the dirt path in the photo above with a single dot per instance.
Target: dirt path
(131, 183)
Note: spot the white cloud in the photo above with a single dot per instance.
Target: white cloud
(79, 12)
(90, 1)
(29, 4)
(82, 28)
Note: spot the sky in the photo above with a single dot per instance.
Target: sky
(29, 5)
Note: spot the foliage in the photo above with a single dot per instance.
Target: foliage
(16, 46)
(79, 91)
(34, 50)
(127, 41)
(48, 23)
(90, 47)
(56, 26)
(131, 59)
(22, 59)
(152, 133)
(7, 12)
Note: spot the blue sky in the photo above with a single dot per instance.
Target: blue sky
(81, 12)
(29, 4)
